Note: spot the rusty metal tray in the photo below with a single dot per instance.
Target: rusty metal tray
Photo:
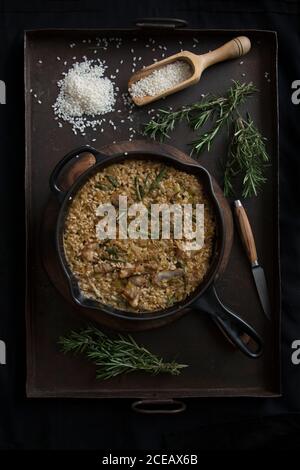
(216, 369)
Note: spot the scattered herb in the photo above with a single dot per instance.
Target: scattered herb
(103, 242)
(141, 189)
(113, 181)
(158, 179)
(119, 283)
(112, 250)
(115, 356)
(171, 299)
(102, 187)
(146, 180)
(180, 264)
(138, 189)
(247, 156)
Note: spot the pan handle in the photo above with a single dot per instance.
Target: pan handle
(54, 178)
(239, 332)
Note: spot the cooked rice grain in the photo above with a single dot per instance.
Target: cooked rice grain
(109, 271)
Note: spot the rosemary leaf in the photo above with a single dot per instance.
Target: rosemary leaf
(115, 356)
(160, 128)
(138, 188)
(158, 179)
(112, 250)
(113, 181)
(102, 187)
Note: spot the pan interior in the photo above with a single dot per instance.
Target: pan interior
(218, 247)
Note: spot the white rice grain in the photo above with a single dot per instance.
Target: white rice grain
(84, 94)
(161, 79)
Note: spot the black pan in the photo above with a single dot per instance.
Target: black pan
(204, 298)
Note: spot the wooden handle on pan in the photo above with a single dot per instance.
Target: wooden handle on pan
(245, 232)
(237, 47)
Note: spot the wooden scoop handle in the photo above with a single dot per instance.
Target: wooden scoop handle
(233, 49)
(245, 232)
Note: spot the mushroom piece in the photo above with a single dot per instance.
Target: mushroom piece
(135, 302)
(115, 199)
(131, 293)
(129, 271)
(152, 266)
(126, 272)
(181, 252)
(89, 252)
(103, 268)
(139, 280)
(168, 275)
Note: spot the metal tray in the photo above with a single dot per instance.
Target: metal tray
(216, 369)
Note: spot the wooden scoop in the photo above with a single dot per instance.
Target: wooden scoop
(237, 47)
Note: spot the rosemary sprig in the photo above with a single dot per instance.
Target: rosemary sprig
(247, 156)
(115, 356)
(159, 129)
(237, 94)
(210, 107)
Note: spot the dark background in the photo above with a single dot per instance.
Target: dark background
(110, 424)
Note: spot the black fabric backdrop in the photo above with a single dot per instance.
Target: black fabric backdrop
(110, 424)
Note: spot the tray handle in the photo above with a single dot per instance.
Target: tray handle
(160, 23)
(150, 407)
(54, 177)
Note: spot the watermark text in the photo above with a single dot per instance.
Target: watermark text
(296, 93)
(159, 221)
(2, 353)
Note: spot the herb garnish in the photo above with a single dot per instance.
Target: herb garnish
(247, 152)
(247, 156)
(210, 107)
(115, 356)
(158, 179)
(112, 250)
(138, 189)
(113, 181)
(101, 186)
(171, 299)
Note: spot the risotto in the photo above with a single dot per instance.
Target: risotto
(136, 274)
